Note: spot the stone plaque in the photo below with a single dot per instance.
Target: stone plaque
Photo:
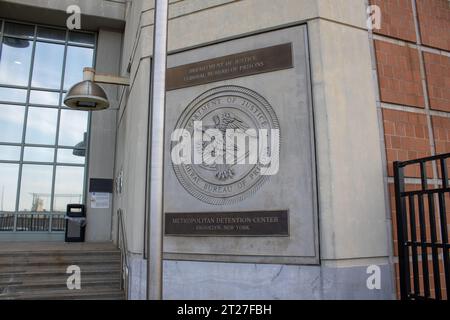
(263, 223)
(231, 66)
(215, 212)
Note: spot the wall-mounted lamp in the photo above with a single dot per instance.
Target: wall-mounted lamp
(88, 95)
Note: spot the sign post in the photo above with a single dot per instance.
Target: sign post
(158, 96)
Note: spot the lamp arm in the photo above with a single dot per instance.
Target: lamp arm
(91, 75)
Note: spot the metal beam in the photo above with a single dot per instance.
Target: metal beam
(91, 75)
(158, 97)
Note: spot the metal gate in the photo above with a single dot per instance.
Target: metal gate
(422, 212)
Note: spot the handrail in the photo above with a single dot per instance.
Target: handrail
(125, 270)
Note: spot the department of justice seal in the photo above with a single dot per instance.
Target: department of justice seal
(223, 108)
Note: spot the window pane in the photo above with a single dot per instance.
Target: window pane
(48, 62)
(77, 59)
(81, 38)
(72, 156)
(44, 97)
(41, 126)
(8, 186)
(69, 184)
(11, 123)
(51, 34)
(73, 125)
(38, 154)
(15, 61)
(9, 153)
(20, 30)
(36, 188)
(13, 95)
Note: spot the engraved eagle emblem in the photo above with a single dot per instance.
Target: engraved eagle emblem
(223, 122)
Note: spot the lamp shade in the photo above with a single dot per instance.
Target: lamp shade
(87, 96)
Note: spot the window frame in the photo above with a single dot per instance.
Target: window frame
(55, 146)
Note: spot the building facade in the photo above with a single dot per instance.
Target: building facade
(347, 101)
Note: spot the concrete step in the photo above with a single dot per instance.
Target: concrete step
(61, 284)
(38, 271)
(59, 267)
(35, 277)
(8, 254)
(58, 261)
(57, 272)
(25, 258)
(83, 294)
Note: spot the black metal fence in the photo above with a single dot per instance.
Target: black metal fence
(422, 213)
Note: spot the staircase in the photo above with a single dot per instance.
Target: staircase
(38, 271)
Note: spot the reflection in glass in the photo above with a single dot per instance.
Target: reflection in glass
(73, 125)
(71, 156)
(36, 188)
(8, 186)
(15, 61)
(19, 30)
(38, 154)
(41, 125)
(77, 59)
(13, 95)
(51, 34)
(9, 153)
(69, 184)
(81, 38)
(48, 62)
(11, 123)
(44, 97)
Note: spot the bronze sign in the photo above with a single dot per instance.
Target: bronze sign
(261, 223)
(232, 66)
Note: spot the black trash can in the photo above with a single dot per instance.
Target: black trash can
(75, 223)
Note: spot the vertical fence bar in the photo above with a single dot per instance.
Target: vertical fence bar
(414, 245)
(423, 176)
(445, 245)
(444, 231)
(401, 215)
(423, 240)
(434, 248)
(444, 173)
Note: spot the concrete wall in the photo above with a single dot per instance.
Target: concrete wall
(352, 205)
(103, 133)
(132, 128)
(95, 14)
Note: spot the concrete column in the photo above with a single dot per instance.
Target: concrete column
(103, 133)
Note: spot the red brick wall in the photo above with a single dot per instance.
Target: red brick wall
(434, 21)
(408, 124)
(399, 74)
(438, 80)
(397, 19)
(441, 130)
(406, 137)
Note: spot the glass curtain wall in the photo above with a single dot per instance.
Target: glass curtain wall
(43, 145)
